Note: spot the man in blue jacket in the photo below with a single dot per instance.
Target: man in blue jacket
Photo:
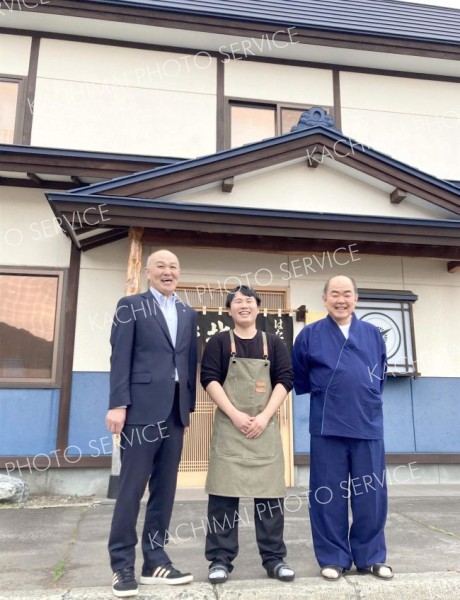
(341, 362)
(152, 392)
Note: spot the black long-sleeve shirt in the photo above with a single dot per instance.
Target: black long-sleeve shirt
(216, 358)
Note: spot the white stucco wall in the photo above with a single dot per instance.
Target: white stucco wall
(125, 100)
(29, 232)
(278, 83)
(14, 54)
(416, 121)
(294, 186)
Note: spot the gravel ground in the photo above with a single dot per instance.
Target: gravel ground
(46, 501)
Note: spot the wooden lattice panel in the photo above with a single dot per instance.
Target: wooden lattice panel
(214, 298)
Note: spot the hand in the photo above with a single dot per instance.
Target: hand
(186, 429)
(115, 419)
(241, 421)
(258, 426)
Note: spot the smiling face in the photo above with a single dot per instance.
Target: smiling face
(340, 299)
(243, 310)
(163, 271)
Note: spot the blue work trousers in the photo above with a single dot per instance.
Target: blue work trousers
(347, 471)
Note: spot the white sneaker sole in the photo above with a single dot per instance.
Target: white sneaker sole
(165, 581)
(125, 593)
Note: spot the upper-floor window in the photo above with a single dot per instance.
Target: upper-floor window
(254, 121)
(30, 316)
(10, 96)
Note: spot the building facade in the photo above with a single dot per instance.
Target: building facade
(268, 147)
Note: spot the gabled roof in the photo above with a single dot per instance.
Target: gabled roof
(139, 201)
(387, 18)
(315, 143)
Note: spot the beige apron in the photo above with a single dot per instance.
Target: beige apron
(240, 467)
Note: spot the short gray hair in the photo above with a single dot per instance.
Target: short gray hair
(326, 285)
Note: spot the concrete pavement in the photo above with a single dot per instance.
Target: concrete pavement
(60, 552)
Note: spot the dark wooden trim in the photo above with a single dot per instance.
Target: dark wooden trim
(220, 105)
(68, 348)
(54, 381)
(104, 238)
(401, 459)
(453, 266)
(337, 100)
(214, 54)
(27, 183)
(397, 196)
(35, 178)
(81, 166)
(30, 91)
(287, 244)
(227, 185)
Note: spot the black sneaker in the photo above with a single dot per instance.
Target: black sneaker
(124, 583)
(165, 574)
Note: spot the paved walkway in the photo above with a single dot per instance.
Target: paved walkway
(60, 552)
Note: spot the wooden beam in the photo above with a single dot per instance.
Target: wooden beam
(227, 184)
(397, 196)
(78, 182)
(35, 178)
(133, 276)
(27, 183)
(314, 161)
(288, 245)
(30, 91)
(453, 266)
(68, 348)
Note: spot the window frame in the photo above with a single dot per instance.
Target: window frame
(278, 106)
(381, 298)
(56, 369)
(20, 105)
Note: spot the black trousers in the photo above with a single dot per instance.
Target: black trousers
(222, 535)
(150, 453)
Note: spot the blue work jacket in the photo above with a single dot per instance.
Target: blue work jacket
(344, 377)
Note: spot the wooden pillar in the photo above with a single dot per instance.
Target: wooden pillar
(134, 274)
(132, 286)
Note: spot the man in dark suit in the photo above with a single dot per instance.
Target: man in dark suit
(152, 392)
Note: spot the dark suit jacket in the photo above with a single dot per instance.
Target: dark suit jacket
(144, 360)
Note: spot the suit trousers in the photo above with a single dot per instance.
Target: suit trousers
(149, 453)
(222, 534)
(342, 471)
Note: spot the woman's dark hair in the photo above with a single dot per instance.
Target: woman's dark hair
(246, 291)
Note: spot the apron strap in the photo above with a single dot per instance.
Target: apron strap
(233, 346)
(265, 345)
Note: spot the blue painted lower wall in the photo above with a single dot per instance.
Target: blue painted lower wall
(421, 415)
(28, 421)
(90, 399)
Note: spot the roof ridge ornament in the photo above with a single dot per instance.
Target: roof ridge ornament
(313, 117)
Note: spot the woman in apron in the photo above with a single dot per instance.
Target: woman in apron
(247, 374)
